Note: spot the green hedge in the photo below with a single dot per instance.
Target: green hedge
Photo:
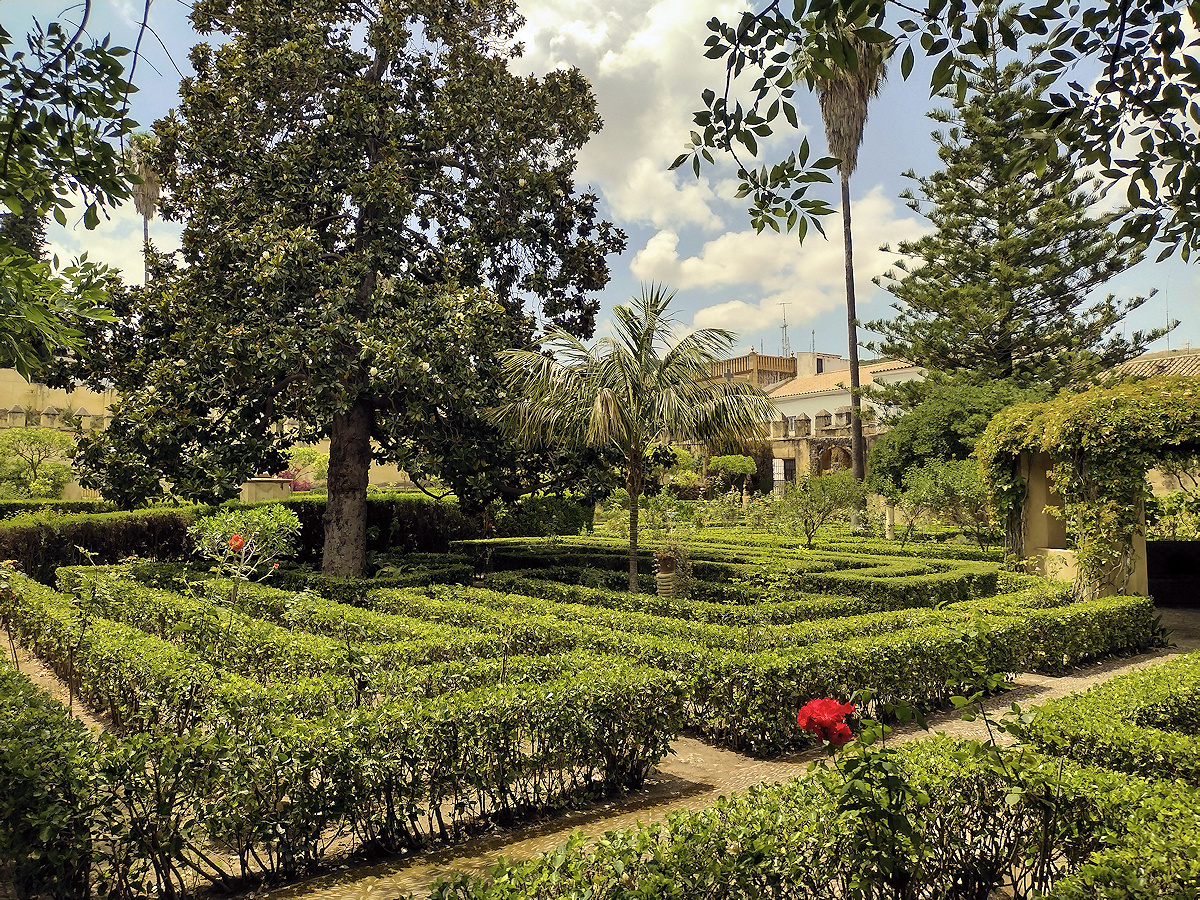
(142, 682)
(751, 573)
(41, 542)
(45, 808)
(133, 816)
(9, 508)
(395, 522)
(1146, 722)
(1114, 838)
(745, 697)
(233, 784)
(448, 569)
(802, 608)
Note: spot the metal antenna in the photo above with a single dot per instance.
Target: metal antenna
(787, 345)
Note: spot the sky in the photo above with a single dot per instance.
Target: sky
(646, 64)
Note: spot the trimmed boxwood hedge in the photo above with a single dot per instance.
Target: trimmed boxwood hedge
(202, 759)
(10, 508)
(1145, 723)
(45, 808)
(1112, 837)
(41, 542)
(394, 522)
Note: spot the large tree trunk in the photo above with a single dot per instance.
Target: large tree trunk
(858, 447)
(633, 483)
(346, 508)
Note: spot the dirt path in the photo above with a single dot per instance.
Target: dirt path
(693, 778)
(47, 679)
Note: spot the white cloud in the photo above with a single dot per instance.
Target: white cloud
(116, 241)
(647, 65)
(771, 270)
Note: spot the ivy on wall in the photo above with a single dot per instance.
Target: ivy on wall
(1101, 442)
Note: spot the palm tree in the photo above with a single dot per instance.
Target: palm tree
(146, 194)
(629, 391)
(844, 95)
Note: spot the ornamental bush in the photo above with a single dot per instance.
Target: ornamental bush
(245, 544)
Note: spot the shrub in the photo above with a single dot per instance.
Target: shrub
(42, 541)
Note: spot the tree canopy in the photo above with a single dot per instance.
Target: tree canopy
(1135, 119)
(1003, 288)
(944, 426)
(373, 207)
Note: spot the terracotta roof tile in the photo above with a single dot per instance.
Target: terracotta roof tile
(827, 382)
(1166, 362)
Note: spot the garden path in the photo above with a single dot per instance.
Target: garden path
(693, 777)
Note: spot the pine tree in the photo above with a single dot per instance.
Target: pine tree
(1003, 288)
(25, 230)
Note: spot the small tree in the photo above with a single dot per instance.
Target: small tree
(734, 466)
(814, 499)
(245, 544)
(628, 391)
(954, 491)
(39, 459)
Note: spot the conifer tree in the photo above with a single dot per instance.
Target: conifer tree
(25, 230)
(1003, 288)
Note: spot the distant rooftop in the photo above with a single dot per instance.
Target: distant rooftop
(1164, 362)
(828, 382)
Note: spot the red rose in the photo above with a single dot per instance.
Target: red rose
(826, 719)
(236, 543)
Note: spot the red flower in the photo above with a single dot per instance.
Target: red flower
(826, 719)
(236, 543)
(276, 566)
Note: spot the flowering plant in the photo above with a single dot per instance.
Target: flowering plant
(826, 718)
(244, 543)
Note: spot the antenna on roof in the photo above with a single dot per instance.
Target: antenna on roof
(787, 345)
(814, 341)
(1167, 294)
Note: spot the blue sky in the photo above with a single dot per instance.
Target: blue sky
(645, 61)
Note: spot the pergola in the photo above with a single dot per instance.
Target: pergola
(1069, 475)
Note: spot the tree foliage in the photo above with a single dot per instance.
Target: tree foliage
(630, 392)
(1101, 442)
(35, 462)
(63, 114)
(371, 202)
(1135, 119)
(945, 426)
(815, 500)
(1003, 287)
(954, 491)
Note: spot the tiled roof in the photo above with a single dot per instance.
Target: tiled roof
(1166, 362)
(828, 382)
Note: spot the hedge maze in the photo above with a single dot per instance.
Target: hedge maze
(383, 715)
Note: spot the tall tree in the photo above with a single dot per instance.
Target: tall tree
(630, 391)
(147, 189)
(25, 231)
(1002, 290)
(370, 200)
(844, 95)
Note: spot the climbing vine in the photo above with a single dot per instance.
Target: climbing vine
(1101, 443)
